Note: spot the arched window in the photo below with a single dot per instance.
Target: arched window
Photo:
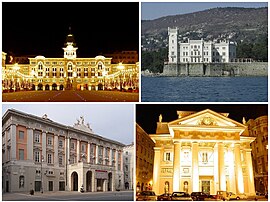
(40, 66)
(21, 181)
(99, 66)
(69, 66)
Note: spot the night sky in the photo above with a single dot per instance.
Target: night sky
(31, 28)
(147, 114)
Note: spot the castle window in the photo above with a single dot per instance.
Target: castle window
(21, 135)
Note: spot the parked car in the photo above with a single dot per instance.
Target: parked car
(146, 196)
(259, 193)
(199, 196)
(223, 195)
(180, 196)
(164, 197)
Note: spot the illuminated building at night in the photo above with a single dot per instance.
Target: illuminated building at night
(259, 129)
(202, 151)
(70, 72)
(144, 160)
(40, 154)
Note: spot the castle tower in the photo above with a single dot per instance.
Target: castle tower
(70, 49)
(173, 45)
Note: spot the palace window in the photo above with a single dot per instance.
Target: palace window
(21, 135)
(167, 156)
(205, 157)
(85, 74)
(21, 154)
(49, 140)
(83, 148)
(69, 67)
(172, 53)
(37, 137)
(60, 159)
(72, 145)
(37, 156)
(60, 143)
(49, 158)
(99, 66)
(40, 66)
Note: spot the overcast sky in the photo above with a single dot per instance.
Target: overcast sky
(113, 121)
(154, 10)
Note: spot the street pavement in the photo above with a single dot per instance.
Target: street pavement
(70, 96)
(70, 196)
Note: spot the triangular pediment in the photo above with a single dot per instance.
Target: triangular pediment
(206, 118)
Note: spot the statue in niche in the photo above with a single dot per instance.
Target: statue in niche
(186, 186)
(160, 118)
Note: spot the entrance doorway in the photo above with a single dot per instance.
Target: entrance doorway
(40, 86)
(74, 181)
(100, 86)
(61, 87)
(89, 181)
(7, 186)
(54, 86)
(37, 185)
(62, 186)
(47, 87)
(50, 185)
(110, 182)
(206, 186)
(100, 184)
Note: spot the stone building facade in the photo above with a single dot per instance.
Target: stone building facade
(199, 51)
(259, 129)
(202, 151)
(70, 72)
(40, 154)
(144, 160)
(128, 160)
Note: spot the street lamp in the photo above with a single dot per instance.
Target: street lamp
(42, 159)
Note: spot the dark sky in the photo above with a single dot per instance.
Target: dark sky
(147, 114)
(31, 28)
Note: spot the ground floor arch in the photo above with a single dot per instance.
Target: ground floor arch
(47, 87)
(61, 87)
(100, 86)
(54, 86)
(89, 181)
(74, 181)
(110, 182)
(40, 86)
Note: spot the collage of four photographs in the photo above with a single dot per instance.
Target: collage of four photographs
(134, 101)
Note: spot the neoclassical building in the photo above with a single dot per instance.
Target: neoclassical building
(259, 128)
(199, 51)
(202, 151)
(128, 166)
(40, 154)
(144, 160)
(70, 72)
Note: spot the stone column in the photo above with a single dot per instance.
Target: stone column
(195, 167)
(176, 167)
(103, 156)
(221, 168)
(13, 149)
(231, 169)
(238, 169)
(110, 157)
(44, 145)
(55, 144)
(68, 150)
(88, 153)
(216, 172)
(93, 181)
(78, 151)
(251, 188)
(156, 170)
(30, 144)
(96, 154)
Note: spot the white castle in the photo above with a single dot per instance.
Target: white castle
(199, 51)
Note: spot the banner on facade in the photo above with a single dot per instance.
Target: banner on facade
(101, 174)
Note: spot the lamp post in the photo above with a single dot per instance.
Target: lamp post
(42, 159)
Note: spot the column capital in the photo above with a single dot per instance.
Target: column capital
(176, 142)
(248, 150)
(157, 148)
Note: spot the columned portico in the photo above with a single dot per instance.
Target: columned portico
(238, 169)
(156, 168)
(250, 172)
(221, 168)
(202, 152)
(195, 167)
(176, 166)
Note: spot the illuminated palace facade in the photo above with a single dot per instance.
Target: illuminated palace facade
(70, 72)
(202, 151)
(40, 154)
